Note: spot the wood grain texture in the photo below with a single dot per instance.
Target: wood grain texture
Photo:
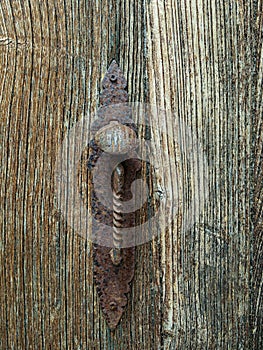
(201, 60)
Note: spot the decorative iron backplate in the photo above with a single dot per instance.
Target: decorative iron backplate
(111, 277)
(113, 266)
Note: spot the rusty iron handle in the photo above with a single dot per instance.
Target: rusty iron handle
(118, 189)
(115, 134)
(115, 139)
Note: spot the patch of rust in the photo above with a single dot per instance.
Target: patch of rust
(112, 280)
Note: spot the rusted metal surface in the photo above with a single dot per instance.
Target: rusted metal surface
(114, 265)
(112, 281)
(118, 192)
(114, 133)
(116, 138)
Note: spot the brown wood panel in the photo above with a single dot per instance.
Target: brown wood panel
(199, 60)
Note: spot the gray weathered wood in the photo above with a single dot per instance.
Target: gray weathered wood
(200, 59)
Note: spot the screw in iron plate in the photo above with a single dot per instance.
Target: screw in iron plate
(113, 305)
(113, 78)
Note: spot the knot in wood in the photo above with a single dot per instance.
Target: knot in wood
(116, 138)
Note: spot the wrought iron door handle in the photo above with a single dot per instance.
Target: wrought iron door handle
(115, 134)
(116, 139)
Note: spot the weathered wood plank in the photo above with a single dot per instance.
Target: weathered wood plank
(200, 60)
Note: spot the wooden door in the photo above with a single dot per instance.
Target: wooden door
(201, 60)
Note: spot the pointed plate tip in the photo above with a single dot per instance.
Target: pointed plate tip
(113, 66)
(114, 77)
(113, 282)
(113, 324)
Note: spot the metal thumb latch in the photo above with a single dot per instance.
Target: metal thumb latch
(114, 134)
